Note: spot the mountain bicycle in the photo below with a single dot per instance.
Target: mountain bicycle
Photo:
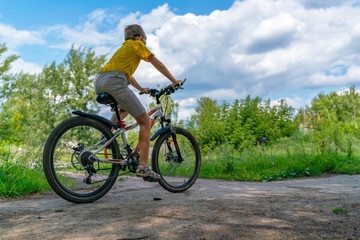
(83, 155)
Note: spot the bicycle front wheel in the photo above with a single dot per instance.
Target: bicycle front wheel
(178, 173)
(70, 166)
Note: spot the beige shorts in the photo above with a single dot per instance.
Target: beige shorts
(116, 84)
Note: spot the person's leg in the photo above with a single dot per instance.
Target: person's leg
(123, 115)
(144, 138)
(117, 86)
(143, 170)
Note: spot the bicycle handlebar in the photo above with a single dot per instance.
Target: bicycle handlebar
(166, 90)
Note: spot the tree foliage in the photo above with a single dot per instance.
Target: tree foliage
(241, 124)
(328, 110)
(5, 65)
(332, 117)
(33, 104)
(4, 68)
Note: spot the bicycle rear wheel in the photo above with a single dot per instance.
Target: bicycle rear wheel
(70, 166)
(177, 174)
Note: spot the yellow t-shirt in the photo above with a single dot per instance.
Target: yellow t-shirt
(127, 58)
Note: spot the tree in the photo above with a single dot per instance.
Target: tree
(337, 109)
(5, 65)
(4, 68)
(333, 118)
(206, 122)
(35, 104)
(241, 124)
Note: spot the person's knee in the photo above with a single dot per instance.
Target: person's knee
(143, 120)
(122, 110)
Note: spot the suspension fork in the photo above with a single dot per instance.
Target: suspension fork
(173, 135)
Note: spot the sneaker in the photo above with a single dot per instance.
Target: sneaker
(147, 174)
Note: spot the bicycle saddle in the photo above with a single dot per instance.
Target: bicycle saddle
(105, 98)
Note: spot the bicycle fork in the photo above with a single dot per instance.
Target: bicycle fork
(173, 135)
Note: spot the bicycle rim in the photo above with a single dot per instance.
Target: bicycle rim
(71, 174)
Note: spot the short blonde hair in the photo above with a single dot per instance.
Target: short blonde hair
(133, 31)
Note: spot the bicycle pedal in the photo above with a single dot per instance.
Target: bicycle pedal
(150, 179)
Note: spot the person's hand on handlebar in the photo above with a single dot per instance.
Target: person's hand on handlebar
(177, 84)
(145, 90)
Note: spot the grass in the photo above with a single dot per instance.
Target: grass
(17, 176)
(294, 157)
(287, 158)
(338, 210)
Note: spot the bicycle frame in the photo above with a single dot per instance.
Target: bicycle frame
(153, 114)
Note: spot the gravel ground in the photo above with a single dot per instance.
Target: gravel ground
(211, 209)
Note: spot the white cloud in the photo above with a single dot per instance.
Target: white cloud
(152, 21)
(27, 67)
(14, 38)
(345, 91)
(286, 44)
(188, 102)
(321, 80)
(222, 94)
(186, 108)
(280, 48)
(326, 3)
(185, 113)
(19, 65)
(82, 35)
(273, 33)
(295, 102)
(256, 47)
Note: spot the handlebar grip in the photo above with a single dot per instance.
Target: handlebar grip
(180, 84)
(150, 91)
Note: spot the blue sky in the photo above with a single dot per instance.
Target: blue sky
(36, 15)
(292, 49)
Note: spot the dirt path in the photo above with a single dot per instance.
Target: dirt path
(211, 209)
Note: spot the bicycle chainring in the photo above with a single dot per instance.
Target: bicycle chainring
(133, 161)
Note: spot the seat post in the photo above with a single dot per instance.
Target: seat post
(116, 110)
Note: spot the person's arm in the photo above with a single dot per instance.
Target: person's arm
(136, 85)
(163, 70)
